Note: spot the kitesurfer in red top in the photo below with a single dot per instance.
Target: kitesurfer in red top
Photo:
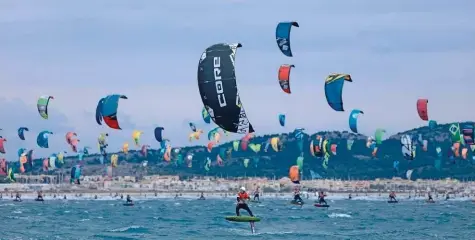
(241, 204)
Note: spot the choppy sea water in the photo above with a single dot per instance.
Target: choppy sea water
(193, 219)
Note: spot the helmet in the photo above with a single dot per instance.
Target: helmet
(243, 189)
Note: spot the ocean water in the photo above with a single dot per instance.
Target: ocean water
(193, 219)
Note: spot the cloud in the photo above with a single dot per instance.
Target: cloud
(79, 52)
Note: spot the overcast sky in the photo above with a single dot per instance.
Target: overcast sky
(80, 51)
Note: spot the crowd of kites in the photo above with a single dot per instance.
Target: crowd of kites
(222, 105)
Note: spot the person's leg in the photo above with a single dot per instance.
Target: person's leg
(238, 206)
(246, 207)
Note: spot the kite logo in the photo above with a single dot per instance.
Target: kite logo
(218, 82)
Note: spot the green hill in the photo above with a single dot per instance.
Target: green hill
(356, 164)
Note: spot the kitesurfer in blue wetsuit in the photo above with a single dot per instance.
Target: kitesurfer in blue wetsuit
(321, 198)
(297, 197)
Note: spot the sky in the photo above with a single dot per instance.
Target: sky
(80, 51)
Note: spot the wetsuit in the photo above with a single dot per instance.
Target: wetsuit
(349, 196)
(321, 199)
(297, 197)
(40, 197)
(18, 197)
(430, 198)
(129, 200)
(241, 204)
(202, 196)
(256, 195)
(392, 197)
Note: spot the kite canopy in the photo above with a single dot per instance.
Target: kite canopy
(218, 88)
(334, 90)
(282, 37)
(99, 111)
(42, 139)
(21, 132)
(3, 167)
(158, 134)
(294, 174)
(42, 105)
(408, 148)
(282, 119)
(422, 109)
(2, 146)
(353, 121)
(205, 115)
(109, 110)
(284, 77)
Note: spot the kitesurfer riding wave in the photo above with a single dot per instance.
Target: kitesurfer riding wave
(17, 197)
(321, 198)
(297, 197)
(241, 204)
(40, 196)
(128, 200)
(202, 197)
(430, 199)
(392, 197)
(256, 195)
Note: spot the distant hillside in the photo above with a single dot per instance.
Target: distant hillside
(356, 164)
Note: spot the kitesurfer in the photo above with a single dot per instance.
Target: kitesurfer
(64, 197)
(447, 197)
(128, 199)
(430, 198)
(321, 198)
(40, 196)
(392, 197)
(121, 196)
(95, 196)
(17, 196)
(349, 196)
(202, 197)
(297, 197)
(176, 196)
(241, 204)
(256, 195)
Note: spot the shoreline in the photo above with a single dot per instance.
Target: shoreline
(145, 196)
